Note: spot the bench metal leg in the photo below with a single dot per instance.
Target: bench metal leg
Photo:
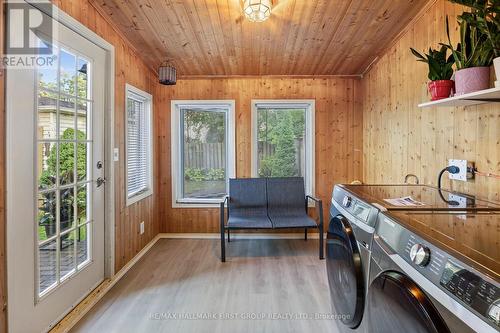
(222, 246)
(321, 248)
(228, 235)
(321, 234)
(222, 233)
(305, 234)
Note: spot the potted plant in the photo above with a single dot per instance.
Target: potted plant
(48, 208)
(440, 71)
(485, 16)
(473, 56)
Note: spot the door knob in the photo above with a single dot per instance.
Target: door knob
(99, 181)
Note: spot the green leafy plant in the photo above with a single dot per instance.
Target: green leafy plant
(194, 174)
(48, 206)
(485, 16)
(266, 167)
(440, 66)
(216, 174)
(283, 162)
(198, 175)
(473, 49)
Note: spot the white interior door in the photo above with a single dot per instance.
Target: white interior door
(55, 203)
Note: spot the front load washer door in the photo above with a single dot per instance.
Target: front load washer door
(397, 304)
(345, 272)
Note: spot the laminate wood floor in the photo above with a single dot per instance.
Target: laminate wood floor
(180, 285)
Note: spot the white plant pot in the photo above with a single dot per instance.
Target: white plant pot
(496, 64)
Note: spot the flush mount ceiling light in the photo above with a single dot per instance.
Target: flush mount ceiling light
(257, 10)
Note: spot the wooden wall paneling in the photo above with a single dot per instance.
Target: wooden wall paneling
(357, 127)
(489, 147)
(339, 137)
(429, 137)
(367, 111)
(400, 125)
(428, 123)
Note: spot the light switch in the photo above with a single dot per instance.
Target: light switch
(116, 154)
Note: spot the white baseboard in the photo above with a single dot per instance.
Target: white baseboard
(240, 235)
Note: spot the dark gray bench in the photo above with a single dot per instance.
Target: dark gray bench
(268, 203)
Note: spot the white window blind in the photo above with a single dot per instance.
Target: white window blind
(138, 146)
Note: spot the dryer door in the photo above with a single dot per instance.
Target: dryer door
(397, 304)
(345, 272)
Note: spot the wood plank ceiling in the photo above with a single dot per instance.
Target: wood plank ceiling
(302, 37)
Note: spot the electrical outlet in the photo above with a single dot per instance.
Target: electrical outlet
(462, 174)
(462, 201)
(141, 227)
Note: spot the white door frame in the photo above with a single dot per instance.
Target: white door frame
(109, 214)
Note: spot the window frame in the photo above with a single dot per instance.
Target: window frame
(147, 99)
(310, 147)
(178, 201)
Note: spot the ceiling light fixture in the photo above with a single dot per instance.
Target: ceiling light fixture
(167, 75)
(257, 10)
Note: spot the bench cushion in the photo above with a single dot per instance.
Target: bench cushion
(249, 222)
(248, 203)
(286, 203)
(303, 221)
(286, 197)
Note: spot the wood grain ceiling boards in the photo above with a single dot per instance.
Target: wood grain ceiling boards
(302, 37)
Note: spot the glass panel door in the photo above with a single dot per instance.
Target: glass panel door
(55, 205)
(64, 154)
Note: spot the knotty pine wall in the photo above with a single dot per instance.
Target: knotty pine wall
(400, 138)
(338, 135)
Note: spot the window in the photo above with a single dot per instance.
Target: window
(202, 151)
(283, 139)
(139, 145)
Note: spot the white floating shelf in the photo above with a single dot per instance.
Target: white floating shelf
(478, 97)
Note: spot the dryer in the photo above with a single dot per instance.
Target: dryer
(349, 237)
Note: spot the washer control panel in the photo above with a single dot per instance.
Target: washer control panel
(352, 205)
(479, 294)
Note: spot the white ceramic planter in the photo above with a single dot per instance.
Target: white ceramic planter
(496, 64)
